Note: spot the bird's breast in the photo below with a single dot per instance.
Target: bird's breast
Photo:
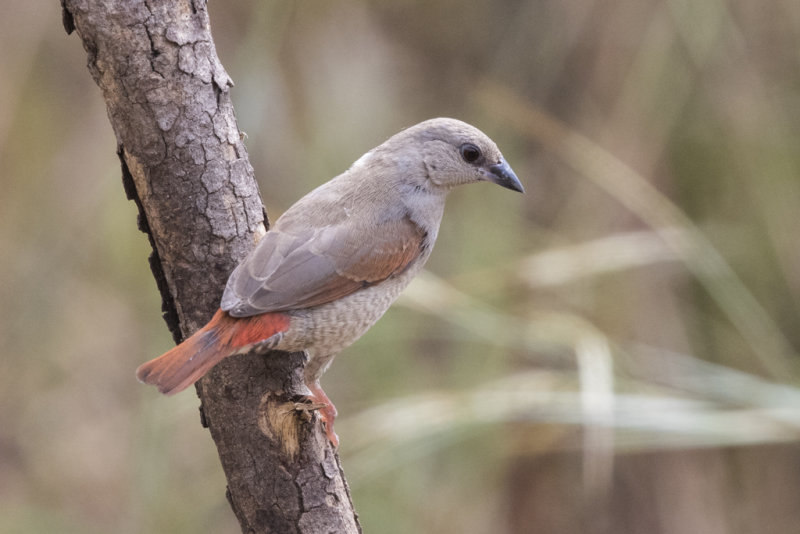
(327, 329)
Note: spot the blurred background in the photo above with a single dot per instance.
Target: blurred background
(613, 352)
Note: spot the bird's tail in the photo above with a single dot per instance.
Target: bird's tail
(177, 369)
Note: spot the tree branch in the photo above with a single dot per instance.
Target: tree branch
(185, 166)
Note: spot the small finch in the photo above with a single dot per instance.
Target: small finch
(331, 265)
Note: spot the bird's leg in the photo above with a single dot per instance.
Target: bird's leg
(327, 412)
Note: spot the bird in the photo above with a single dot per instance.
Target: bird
(334, 262)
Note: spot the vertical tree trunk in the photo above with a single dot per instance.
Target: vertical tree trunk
(184, 164)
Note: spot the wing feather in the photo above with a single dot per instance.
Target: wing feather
(307, 268)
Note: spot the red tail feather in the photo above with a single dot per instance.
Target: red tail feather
(224, 335)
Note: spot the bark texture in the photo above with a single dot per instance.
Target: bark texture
(185, 166)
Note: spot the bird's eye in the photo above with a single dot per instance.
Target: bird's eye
(470, 152)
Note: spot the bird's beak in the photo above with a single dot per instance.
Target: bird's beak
(502, 175)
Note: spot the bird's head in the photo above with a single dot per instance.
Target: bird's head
(455, 153)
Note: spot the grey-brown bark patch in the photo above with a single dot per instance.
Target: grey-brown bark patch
(185, 166)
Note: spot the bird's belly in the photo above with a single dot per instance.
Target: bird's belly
(325, 330)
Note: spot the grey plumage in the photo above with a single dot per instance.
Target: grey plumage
(362, 227)
(337, 259)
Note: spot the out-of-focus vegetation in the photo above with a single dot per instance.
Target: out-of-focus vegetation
(615, 351)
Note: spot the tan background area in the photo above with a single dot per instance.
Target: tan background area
(613, 352)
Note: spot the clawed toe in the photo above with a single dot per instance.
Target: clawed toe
(327, 411)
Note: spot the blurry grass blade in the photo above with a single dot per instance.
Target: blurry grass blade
(719, 383)
(601, 256)
(594, 357)
(546, 332)
(761, 333)
(385, 437)
(595, 370)
(596, 373)
(431, 294)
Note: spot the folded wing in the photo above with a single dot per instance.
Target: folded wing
(313, 266)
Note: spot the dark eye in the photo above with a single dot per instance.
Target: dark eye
(470, 152)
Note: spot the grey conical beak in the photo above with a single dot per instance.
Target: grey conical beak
(502, 175)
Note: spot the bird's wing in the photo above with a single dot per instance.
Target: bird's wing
(302, 268)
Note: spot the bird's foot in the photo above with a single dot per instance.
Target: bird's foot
(327, 411)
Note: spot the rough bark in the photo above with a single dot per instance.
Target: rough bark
(184, 164)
